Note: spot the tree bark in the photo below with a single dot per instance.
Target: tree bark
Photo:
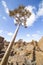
(6, 55)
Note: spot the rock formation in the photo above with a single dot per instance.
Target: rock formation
(22, 52)
(1, 42)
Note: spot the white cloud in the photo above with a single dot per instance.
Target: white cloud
(30, 8)
(34, 35)
(1, 31)
(28, 35)
(4, 17)
(9, 33)
(5, 6)
(15, 21)
(32, 18)
(40, 10)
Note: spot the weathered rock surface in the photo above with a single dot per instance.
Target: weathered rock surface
(40, 43)
(1, 42)
(22, 52)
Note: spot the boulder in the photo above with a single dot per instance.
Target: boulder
(1, 39)
(1, 42)
(40, 44)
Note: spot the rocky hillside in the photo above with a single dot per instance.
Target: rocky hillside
(40, 43)
(23, 53)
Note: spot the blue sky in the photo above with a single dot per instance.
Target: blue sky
(34, 23)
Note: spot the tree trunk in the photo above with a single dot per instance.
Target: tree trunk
(6, 55)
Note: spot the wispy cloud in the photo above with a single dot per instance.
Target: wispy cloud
(40, 10)
(35, 36)
(1, 31)
(31, 20)
(15, 21)
(4, 17)
(5, 6)
(28, 35)
(30, 8)
(9, 33)
(34, 16)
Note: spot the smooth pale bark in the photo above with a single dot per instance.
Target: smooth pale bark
(6, 55)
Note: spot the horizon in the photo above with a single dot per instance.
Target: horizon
(35, 22)
(23, 40)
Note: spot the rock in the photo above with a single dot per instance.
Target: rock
(1, 42)
(1, 54)
(1, 39)
(28, 62)
(40, 43)
(12, 53)
(10, 63)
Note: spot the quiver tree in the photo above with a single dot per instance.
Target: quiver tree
(20, 15)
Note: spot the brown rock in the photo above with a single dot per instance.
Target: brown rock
(1, 39)
(40, 43)
(1, 42)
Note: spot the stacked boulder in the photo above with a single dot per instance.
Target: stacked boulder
(1, 42)
(1, 47)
